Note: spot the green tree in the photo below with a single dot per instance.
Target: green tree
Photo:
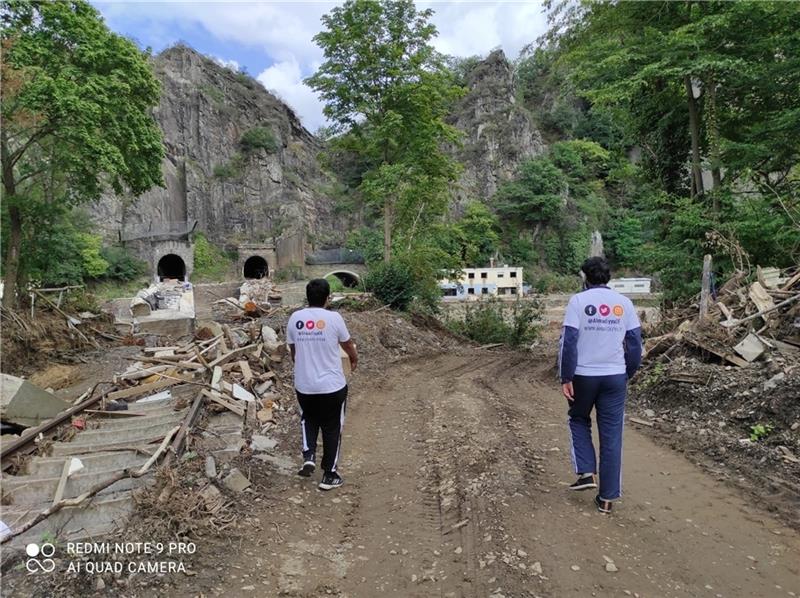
(76, 110)
(478, 234)
(535, 197)
(388, 92)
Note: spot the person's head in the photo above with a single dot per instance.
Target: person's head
(317, 292)
(596, 271)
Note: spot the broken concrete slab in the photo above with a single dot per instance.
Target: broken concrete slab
(211, 468)
(263, 443)
(270, 338)
(27, 405)
(750, 347)
(236, 481)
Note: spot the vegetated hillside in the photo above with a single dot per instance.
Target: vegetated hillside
(499, 133)
(238, 160)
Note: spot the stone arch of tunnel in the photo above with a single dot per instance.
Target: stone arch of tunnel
(171, 266)
(349, 279)
(255, 267)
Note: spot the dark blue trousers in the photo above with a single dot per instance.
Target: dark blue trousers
(605, 394)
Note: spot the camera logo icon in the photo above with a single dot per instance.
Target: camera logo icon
(40, 560)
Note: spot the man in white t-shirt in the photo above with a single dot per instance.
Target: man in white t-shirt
(314, 335)
(601, 349)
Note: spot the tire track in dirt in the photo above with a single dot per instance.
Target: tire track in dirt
(456, 468)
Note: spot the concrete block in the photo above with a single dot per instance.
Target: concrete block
(263, 443)
(27, 405)
(236, 481)
(750, 347)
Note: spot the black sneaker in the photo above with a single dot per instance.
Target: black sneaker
(307, 469)
(604, 506)
(584, 483)
(330, 481)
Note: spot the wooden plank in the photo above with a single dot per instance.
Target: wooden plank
(230, 355)
(761, 298)
(705, 291)
(735, 360)
(135, 391)
(216, 378)
(188, 365)
(177, 445)
(113, 414)
(157, 349)
(219, 399)
(144, 373)
(761, 313)
(641, 422)
(792, 281)
(62, 481)
(246, 371)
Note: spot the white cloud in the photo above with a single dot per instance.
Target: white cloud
(228, 64)
(285, 79)
(284, 31)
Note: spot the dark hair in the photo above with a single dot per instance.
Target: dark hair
(317, 292)
(596, 270)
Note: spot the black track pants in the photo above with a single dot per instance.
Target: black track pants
(323, 412)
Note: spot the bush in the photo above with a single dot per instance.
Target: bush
(258, 138)
(392, 284)
(210, 262)
(337, 286)
(288, 274)
(487, 322)
(122, 265)
(232, 169)
(94, 266)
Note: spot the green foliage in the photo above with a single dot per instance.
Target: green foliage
(289, 273)
(232, 169)
(77, 117)
(535, 196)
(488, 322)
(258, 138)
(214, 93)
(337, 286)
(624, 240)
(389, 107)
(122, 264)
(94, 265)
(210, 262)
(475, 237)
(759, 431)
(392, 283)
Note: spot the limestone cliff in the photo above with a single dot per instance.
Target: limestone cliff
(498, 132)
(238, 161)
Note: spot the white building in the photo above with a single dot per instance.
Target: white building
(501, 281)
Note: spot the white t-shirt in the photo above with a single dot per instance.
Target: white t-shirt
(602, 317)
(316, 333)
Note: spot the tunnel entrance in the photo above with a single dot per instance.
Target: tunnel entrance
(348, 279)
(171, 266)
(256, 267)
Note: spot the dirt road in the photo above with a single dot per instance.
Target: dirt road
(456, 470)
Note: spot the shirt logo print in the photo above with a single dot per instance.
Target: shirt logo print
(299, 324)
(310, 324)
(590, 310)
(618, 311)
(604, 310)
(320, 324)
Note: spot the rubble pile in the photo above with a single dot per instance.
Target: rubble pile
(256, 297)
(168, 294)
(726, 387)
(745, 322)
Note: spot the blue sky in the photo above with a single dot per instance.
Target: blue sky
(273, 40)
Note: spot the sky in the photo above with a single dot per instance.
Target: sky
(273, 41)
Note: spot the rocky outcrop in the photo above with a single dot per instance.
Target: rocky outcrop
(237, 192)
(498, 132)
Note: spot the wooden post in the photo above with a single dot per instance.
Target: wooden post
(705, 291)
